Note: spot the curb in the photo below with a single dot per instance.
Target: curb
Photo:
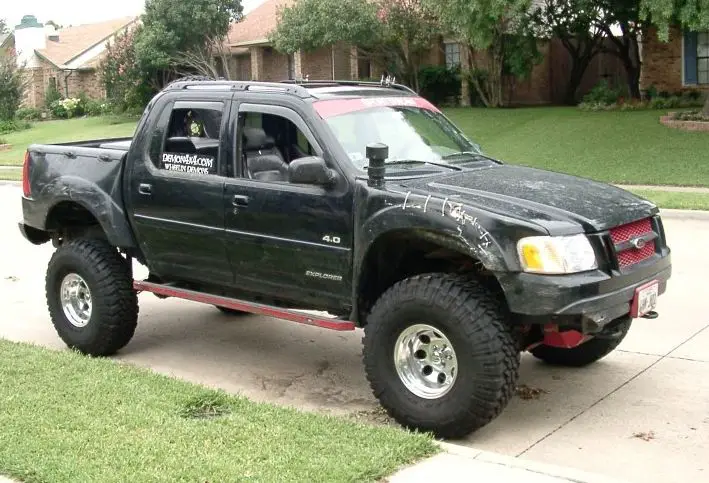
(565, 473)
(672, 214)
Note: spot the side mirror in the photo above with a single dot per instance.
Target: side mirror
(310, 170)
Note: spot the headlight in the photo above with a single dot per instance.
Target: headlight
(556, 254)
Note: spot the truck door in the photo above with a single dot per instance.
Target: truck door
(288, 240)
(177, 189)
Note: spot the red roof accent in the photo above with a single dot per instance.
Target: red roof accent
(335, 107)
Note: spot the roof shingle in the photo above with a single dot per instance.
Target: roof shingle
(74, 41)
(257, 24)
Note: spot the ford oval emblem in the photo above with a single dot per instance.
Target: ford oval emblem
(638, 242)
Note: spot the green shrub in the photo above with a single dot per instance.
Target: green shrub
(11, 87)
(439, 84)
(28, 114)
(691, 116)
(7, 127)
(67, 108)
(93, 107)
(51, 95)
(603, 93)
(57, 110)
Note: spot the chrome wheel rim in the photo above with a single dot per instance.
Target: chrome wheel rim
(425, 361)
(76, 300)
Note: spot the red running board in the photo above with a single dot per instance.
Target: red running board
(236, 304)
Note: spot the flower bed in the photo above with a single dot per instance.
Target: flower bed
(686, 120)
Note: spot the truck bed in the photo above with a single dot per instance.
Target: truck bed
(87, 173)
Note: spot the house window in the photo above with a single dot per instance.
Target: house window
(696, 58)
(452, 51)
(703, 58)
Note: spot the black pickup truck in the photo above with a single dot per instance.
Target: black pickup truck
(360, 200)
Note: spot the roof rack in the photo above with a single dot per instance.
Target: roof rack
(208, 83)
(334, 83)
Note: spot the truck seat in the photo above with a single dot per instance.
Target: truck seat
(263, 160)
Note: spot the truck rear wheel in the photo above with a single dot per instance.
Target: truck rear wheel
(439, 355)
(90, 297)
(586, 353)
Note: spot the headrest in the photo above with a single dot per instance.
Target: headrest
(256, 138)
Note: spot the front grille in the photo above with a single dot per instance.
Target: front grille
(626, 253)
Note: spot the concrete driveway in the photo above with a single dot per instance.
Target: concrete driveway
(641, 414)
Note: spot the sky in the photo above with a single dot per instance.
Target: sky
(76, 12)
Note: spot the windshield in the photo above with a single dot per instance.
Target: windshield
(415, 131)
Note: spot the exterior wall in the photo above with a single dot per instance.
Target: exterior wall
(87, 82)
(662, 63)
(317, 64)
(275, 65)
(343, 67)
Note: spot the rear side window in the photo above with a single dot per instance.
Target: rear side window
(192, 142)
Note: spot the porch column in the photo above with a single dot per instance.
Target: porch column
(354, 63)
(298, 64)
(256, 63)
(464, 69)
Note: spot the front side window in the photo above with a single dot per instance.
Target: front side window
(192, 142)
(269, 143)
(411, 128)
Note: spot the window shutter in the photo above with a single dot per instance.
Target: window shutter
(690, 57)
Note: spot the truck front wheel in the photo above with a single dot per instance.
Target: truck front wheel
(586, 353)
(90, 297)
(438, 354)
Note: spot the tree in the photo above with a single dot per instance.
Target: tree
(625, 16)
(691, 14)
(173, 30)
(122, 77)
(12, 87)
(395, 34)
(3, 26)
(574, 23)
(501, 30)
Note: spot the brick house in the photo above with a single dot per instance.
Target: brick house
(252, 57)
(66, 58)
(680, 64)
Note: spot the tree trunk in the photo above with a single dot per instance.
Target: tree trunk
(578, 68)
(633, 74)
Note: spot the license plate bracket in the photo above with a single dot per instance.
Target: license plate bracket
(645, 299)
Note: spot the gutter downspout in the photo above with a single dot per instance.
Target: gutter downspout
(66, 81)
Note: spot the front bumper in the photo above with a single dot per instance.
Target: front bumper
(591, 299)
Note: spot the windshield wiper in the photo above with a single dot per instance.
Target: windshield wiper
(472, 154)
(416, 161)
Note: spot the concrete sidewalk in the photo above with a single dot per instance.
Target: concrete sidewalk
(458, 463)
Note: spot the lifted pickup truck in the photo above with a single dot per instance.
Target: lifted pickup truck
(361, 200)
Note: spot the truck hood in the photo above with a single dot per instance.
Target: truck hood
(557, 202)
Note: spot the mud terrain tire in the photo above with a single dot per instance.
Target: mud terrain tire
(474, 320)
(585, 354)
(110, 310)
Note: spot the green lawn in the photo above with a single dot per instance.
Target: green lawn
(619, 147)
(66, 417)
(680, 201)
(80, 129)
